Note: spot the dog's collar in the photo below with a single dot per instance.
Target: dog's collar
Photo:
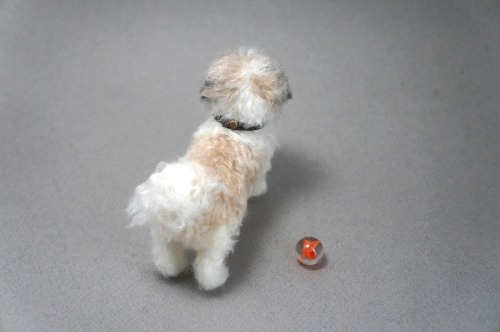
(236, 125)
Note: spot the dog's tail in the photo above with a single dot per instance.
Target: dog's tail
(174, 196)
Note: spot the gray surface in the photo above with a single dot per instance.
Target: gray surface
(389, 154)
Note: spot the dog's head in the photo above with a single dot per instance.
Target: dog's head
(245, 85)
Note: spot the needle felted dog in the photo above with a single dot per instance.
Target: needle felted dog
(199, 201)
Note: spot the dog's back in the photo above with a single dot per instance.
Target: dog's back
(207, 188)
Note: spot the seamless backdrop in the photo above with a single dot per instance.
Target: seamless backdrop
(390, 154)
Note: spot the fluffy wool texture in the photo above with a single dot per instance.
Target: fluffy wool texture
(199, 202)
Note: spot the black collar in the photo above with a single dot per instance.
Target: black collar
(236, 125)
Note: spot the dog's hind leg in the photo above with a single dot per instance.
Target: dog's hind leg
(169, 257)
(210, 264)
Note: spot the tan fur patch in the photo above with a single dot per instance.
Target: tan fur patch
(225, 76)
(247, 77)
(228, 74)
(265, 87)
(237, 165)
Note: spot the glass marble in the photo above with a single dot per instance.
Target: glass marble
(309, 250)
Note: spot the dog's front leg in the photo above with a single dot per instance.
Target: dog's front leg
(260, 187)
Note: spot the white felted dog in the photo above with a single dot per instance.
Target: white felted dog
(199, 201)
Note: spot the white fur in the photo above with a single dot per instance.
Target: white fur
(178, 195)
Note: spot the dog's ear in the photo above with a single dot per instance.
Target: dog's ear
(272, 86)
(288, 93)
(205, 90)
(284, 87)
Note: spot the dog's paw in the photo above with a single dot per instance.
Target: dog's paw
(170, 266)
(210, 275)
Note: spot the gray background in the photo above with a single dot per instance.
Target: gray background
(389, 154)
